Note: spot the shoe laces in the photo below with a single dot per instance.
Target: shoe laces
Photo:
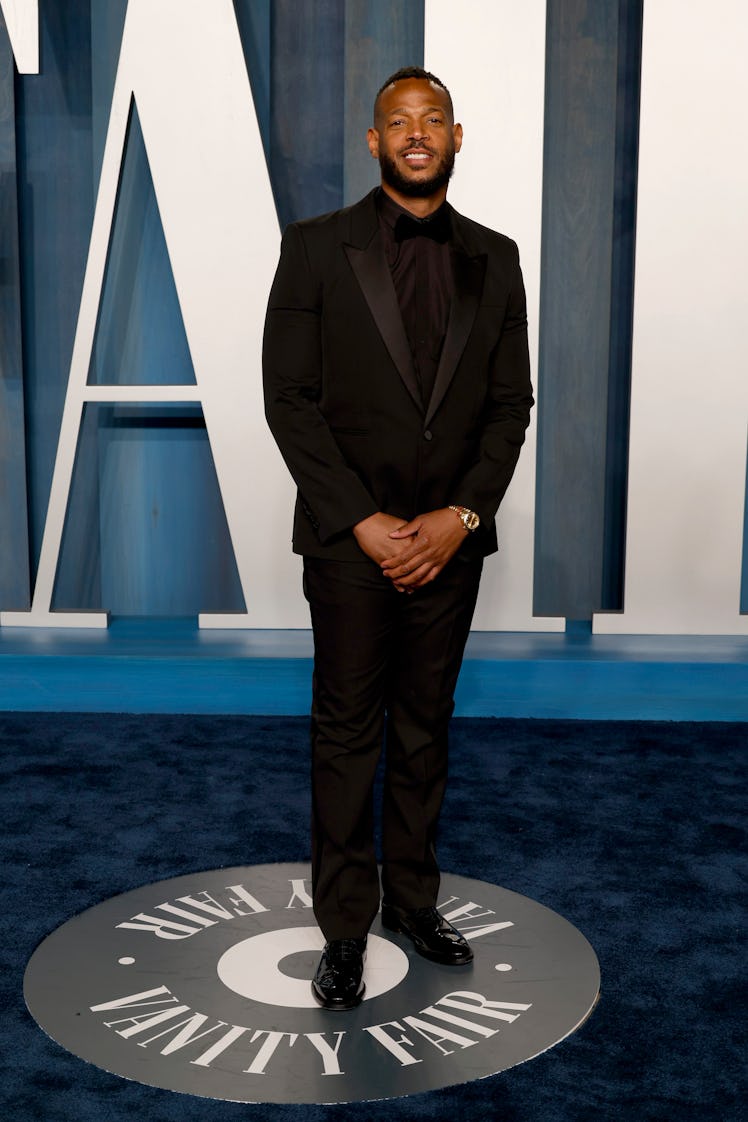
(429, 914)
(344, 949)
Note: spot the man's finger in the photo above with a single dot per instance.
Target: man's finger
(430, 574)
(404, 566)
(405, 559)
(408, 530)
(416, 577)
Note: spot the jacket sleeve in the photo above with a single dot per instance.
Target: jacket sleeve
(506, 413)
(332, 494)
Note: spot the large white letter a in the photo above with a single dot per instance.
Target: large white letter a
(182, 62)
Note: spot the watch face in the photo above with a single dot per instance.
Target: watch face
(471, 520)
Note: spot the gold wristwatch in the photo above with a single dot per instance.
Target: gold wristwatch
(469, 518)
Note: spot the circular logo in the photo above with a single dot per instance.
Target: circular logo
(257, 968)
(201, 984)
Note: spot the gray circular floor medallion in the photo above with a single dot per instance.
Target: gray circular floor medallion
(201, 984)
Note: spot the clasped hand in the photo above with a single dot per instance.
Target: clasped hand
(412, 553)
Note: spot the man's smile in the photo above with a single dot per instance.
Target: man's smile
(417, 157)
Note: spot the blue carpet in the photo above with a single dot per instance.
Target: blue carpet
(635, 831)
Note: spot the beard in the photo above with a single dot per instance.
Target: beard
(417, 188)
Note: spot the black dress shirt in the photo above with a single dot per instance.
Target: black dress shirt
(419, 257)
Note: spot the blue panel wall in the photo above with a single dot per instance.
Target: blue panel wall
(140, 337)
(327, 61)
(623, 247)
(107, 24)
(306, 100)
(254, 20)
(55, 203)
(130, 542)
(589, 195)
(379, 39)
(14, 567)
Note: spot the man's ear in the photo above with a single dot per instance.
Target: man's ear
(372, 139)
(457, 134)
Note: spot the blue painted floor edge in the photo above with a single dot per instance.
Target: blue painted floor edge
(169, 666)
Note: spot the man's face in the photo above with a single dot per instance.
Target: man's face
(414, 138)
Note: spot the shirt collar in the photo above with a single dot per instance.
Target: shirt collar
(390, 211)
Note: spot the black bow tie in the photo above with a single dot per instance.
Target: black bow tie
(436, 227)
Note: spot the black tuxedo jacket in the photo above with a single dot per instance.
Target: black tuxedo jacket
(341, 393)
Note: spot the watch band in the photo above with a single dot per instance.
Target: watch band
(469, 519)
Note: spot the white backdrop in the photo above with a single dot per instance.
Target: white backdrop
(499, 181)
(689, 405)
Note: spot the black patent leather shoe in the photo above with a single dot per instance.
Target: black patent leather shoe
(432, 935)
(338, 983)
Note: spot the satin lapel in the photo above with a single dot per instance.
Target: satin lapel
(468, 281)
(373, 275)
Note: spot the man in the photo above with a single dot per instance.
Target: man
(397, 387)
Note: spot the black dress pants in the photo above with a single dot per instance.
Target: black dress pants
(381, 657)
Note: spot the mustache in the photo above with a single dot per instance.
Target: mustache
(415, 147)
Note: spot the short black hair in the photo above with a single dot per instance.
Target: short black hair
(413, 72)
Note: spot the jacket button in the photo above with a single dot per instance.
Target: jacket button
(428, 434)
